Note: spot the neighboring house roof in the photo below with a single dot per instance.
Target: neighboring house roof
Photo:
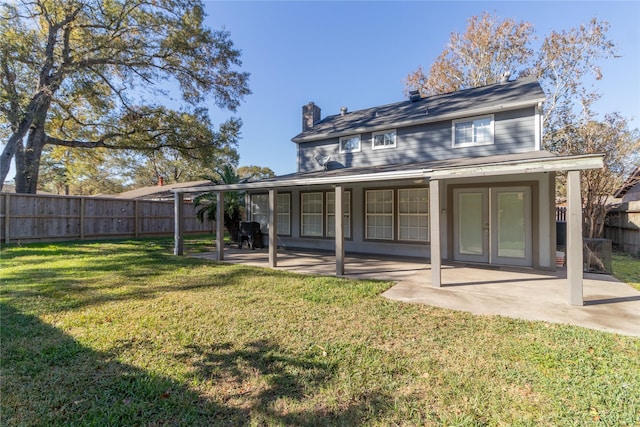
(159, 191)
(519, 93)
(529, 162)
(632, 181)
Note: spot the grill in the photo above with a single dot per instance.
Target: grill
(250, 233)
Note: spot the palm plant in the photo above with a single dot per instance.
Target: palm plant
(233, 201)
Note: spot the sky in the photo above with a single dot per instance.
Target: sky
(357, 54)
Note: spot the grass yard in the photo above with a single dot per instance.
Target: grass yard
(124, 333)
(627, 268)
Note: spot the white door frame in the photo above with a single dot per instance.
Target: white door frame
(486, 224)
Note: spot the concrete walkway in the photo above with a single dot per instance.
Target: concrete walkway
(610, 305)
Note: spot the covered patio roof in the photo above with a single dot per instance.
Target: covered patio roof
(529, 162)
(433, 172)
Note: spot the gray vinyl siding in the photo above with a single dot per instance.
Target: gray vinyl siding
(514, 132)
(544, 222)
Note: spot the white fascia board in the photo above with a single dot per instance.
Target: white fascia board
(425, 119)
(582, 162)
(302, 182)
(547, 164)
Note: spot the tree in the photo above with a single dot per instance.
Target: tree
(233, 200)
(481, 56)
(565, 65)
(67, 171)
(252, 173)
(621, 148)
(564, 62)
(83, 74)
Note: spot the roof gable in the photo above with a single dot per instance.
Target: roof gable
(497, 97)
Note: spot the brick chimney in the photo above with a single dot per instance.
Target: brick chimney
(310, 116)
(160, 181)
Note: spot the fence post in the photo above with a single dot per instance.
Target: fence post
(136, 217)
(178, 236)
(7, 216)
(81, 218)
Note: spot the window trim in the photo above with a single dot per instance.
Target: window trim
(326, 216)
(411, 214)
(384, 147)
(348, 137)
(280, 215)
(302, 214)
(395, 215)
(472, 120)
(392, 215)
(252, 213)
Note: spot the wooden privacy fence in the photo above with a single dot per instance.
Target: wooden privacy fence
(42, 218)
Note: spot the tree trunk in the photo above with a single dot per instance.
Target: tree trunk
(28, 160)
(8, 153)
(36, 112)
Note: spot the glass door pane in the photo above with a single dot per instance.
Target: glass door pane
(470, 237)
(510, 224)
(471, 225)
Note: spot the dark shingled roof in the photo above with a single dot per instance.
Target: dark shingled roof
(431, 164)
(520, 92)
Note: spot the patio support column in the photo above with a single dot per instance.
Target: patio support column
(178, 226)
(434, 231)
(220, 225)
(273, 228)
(339, 211)
(574, 239)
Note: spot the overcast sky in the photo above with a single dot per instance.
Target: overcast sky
(357, 54)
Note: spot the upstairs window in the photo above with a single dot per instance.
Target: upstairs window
(350, 144)
(471, 132)
(386, 139)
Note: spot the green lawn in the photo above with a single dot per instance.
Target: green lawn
(627, 268)
(124, 333)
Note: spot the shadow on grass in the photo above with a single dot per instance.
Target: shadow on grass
(62, 292)
(276, 384)
(49, 378)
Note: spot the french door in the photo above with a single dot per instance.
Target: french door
(492, 225)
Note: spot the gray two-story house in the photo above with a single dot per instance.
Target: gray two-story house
(455, 177)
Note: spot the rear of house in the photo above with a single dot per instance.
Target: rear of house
(495, 195)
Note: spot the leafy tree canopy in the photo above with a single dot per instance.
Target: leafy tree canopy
(491, 46)
(566, 64)
(88, 74)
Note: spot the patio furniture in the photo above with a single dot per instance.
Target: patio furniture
(251, 233)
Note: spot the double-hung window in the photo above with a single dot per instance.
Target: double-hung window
(284, 214)
(260, 212)
(379, 214)
(350, 144)
(474, 131)
(401, 215)
(386, 139)
(413, 214)
(331, 214)
(312, 213)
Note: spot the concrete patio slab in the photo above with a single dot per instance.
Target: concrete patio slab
(528, 294)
